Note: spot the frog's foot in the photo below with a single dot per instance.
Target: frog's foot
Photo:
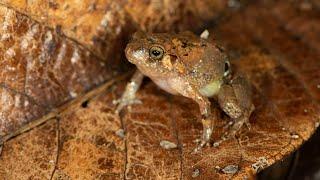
(224, 137)
(234, 129)
(238, 124)
(202, 143)
(206, 135)
(125, 101)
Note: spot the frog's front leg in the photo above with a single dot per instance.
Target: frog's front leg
(207, 118)
(235, 100)
(129, 95)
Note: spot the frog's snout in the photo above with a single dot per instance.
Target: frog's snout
(134, 53)
(128, 52)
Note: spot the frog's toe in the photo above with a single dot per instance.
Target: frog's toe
(202, 143)
(238, 125)
(228, 125)
(224, 137)
(234, 129)
(248, 125)
(125, 102)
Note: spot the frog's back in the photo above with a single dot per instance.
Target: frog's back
(203, 60)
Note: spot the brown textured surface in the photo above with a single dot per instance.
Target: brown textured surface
(40, 70)
(52, 51)
(97, 25)
(31, 155)
(90, 148)
(102, 25)
(166, 15)
(282, 63)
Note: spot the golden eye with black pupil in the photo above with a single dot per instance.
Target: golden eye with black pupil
(156, 52)
(226, 68)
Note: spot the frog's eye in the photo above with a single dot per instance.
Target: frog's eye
(156, 52)
(226, 68)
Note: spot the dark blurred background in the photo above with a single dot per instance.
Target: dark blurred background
(302, 164)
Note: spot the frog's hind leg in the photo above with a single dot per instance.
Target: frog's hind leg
(238, 124)
(235, 100)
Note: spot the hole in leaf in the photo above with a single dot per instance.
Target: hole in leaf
(85, 104)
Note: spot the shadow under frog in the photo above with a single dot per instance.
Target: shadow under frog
(185, 64)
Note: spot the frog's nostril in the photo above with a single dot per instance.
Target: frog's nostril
(128, 51)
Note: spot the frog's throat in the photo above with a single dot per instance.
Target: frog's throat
(211, 89)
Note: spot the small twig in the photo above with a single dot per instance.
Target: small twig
(58, 149)
(60, 111)
(1, 147)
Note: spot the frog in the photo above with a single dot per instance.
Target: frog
(187, 65)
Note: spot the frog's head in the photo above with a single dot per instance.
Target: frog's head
(149, 52)
(158, 54)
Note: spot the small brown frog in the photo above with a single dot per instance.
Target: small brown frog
(185, 64)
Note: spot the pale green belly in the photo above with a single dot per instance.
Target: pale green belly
(211, 89)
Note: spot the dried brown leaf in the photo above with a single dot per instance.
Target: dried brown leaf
(81, 139)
